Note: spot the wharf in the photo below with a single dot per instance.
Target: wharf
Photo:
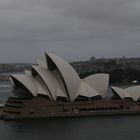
(68, 114)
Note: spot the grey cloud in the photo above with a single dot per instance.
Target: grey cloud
(73, 29)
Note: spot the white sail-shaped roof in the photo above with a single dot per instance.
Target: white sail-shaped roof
(99, 82)
(70, 77)
(134, 92)
(41, 88)
(57, 78)
(38, 83)
(26, 81)
(131, 92)
(86, 91)
(119, 91)
(60, 90)
(127, 95)
(34, 85)
(52, 83)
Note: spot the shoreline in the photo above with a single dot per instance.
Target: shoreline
(11, 117)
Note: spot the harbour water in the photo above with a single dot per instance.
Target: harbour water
(88, 128)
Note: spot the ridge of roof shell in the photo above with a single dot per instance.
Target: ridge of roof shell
(34, 85)
(52, 83)
(99, 82)
(70, 77)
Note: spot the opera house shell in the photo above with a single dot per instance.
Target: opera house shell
(54, 89)
(57, 80)
(127, 93)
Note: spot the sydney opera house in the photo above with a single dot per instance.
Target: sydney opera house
(54, 89)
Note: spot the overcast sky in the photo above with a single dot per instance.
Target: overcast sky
(72, 29)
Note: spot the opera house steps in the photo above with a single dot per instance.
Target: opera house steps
(54, 89)
(13, 105)
(14, 100)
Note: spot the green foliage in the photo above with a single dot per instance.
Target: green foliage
(124, 76)
(119, 76)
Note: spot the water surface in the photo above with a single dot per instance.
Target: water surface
(88, 128)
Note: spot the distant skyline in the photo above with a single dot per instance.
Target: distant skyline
(72, 29)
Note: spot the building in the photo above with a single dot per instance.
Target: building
(58, 80)
(54, 89)
(132, 93)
